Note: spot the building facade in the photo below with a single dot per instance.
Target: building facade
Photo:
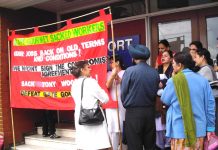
(180, 22)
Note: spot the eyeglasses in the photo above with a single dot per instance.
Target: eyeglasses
(193, 49)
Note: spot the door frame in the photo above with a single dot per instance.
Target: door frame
(203, 15)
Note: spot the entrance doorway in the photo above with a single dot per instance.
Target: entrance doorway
(183, 27)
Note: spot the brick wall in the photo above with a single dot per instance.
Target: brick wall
(1, 115)
(24, 119)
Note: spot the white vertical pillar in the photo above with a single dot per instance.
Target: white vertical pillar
(147, 28)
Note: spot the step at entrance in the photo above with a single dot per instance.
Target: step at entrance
(60, 131)
(37, 142)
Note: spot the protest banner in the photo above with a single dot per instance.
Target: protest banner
(41, 62)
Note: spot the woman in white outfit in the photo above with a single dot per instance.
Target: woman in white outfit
(114, 79)
(88, 137)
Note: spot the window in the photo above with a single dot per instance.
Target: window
(212, 35)
(178, 33)
(159, 5)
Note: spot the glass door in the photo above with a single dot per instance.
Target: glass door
(208, 25)
(212, 35)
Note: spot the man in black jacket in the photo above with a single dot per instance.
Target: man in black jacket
(138, 92)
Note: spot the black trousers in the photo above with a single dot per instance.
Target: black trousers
(140, 128)
(49, 122)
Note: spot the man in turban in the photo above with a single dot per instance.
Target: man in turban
(138, 93)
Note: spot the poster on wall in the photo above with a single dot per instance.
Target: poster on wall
(121, 45)
(41, 62)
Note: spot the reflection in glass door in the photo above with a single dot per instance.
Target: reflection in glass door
(212, 36)
(178, 33)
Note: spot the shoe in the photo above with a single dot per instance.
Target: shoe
(54, 136)
(45, 135)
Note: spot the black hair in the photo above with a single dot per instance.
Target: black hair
(169, 52)
(164, 42)
(185, 49)
(185, 59)
(76, 68)
(204, 52)
(198, 44)
(118, 59)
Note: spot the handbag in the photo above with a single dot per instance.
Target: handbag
(212, 144)
(92, 116)
(214, 86)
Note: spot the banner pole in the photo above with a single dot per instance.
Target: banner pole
(12, 116)
(97, 11)
(12, 123)
(118, 115)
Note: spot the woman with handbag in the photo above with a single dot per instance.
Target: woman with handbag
(88, 95)
(191, 112)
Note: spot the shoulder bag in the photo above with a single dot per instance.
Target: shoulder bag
(92, 116)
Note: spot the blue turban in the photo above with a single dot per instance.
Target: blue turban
(139, 51)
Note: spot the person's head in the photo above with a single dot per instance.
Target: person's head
(203, 57)
(193, 47)
(81, 68)
(163, 45)
(185, 49)
(167, 57)
(139, 52)
(118, 62)
(182, 60)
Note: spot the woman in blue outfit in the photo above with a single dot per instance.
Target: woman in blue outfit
(191, 112)
(205, 63)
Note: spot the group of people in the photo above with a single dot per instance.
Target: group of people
(194, 62)
(171, 106)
